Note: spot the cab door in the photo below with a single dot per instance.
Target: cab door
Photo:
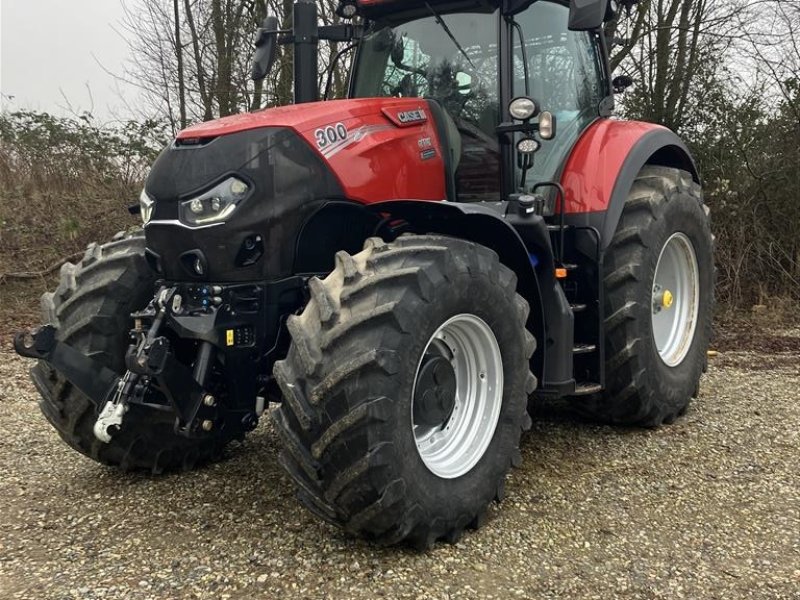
(567, 77)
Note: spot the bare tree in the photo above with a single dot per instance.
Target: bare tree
(673, 49)
(179, 62)
(774, 47)
(193, 61)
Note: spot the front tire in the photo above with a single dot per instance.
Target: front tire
(91, 307)
(659, 286)
(354, 416)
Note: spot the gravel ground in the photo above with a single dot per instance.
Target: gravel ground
(706, 508)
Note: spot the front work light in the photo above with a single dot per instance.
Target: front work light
(347, 9)
(527, 146)
(523, 108)
(216, 205)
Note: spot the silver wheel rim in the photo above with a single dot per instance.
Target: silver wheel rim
(675, 300)
(454, 447)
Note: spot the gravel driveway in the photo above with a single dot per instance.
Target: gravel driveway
(706, 508)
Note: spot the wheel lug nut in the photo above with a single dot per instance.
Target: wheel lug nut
(209, 400)
(208, 425)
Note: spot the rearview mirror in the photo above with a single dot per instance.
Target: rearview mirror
(464, 81)
(620, 83)
(266, 48)
(586, 15)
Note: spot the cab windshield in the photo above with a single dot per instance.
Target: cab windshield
(420, 59)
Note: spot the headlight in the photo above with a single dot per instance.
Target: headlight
(216, 205)
(523, 108)
(146, 204)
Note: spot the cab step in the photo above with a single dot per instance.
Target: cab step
(583, 348)
(587, 388)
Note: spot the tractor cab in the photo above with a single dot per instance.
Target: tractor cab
(510, 87)
(472, 60)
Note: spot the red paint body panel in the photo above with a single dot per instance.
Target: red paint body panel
(384, 158)
(378, 160)
(594, 164)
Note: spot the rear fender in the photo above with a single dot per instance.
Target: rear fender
(537, 284)
(603, 165)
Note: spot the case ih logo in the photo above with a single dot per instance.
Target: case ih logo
(412, 116)
(405, 118)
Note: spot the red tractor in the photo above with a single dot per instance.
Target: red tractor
(405, 271)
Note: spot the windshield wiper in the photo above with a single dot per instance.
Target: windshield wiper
(441, 22)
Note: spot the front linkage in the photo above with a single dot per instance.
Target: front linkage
(155, 378)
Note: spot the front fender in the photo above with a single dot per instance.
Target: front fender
(551, 319)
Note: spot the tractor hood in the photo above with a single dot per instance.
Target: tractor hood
(300, 117)
(377, 148)
(227, 208)
(292, 160)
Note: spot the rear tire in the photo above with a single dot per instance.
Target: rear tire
(348, 420)
(652, 375)
(91, 308)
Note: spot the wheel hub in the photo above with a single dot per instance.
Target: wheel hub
(676, 299)
(435, 395)
(667, 299)
(457, 396)
(662, 299)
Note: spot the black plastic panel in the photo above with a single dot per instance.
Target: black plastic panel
(290, 182)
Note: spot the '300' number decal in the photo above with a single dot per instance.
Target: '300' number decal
(326, 136)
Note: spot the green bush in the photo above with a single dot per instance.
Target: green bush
(65, 182)
(749, 158)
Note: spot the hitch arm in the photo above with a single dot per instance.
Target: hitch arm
(176, 381)
(94, 380)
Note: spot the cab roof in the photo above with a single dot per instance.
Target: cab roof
(403, 9)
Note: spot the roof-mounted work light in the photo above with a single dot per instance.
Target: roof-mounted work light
(347, 9)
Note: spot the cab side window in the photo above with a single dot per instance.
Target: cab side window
(566, 78)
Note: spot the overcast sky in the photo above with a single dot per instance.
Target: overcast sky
(52, 46)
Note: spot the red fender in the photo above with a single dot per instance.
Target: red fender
(606, 160)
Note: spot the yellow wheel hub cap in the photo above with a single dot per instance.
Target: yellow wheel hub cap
(667, 300)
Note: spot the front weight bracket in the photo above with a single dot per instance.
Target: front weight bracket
(94, 380)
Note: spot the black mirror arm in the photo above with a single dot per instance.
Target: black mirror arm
(620, 83)
(328, 33)
(332, 66)
(264, 34)
(341, 33)
(505, 129)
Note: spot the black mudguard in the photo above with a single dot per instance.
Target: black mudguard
(517, 241)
